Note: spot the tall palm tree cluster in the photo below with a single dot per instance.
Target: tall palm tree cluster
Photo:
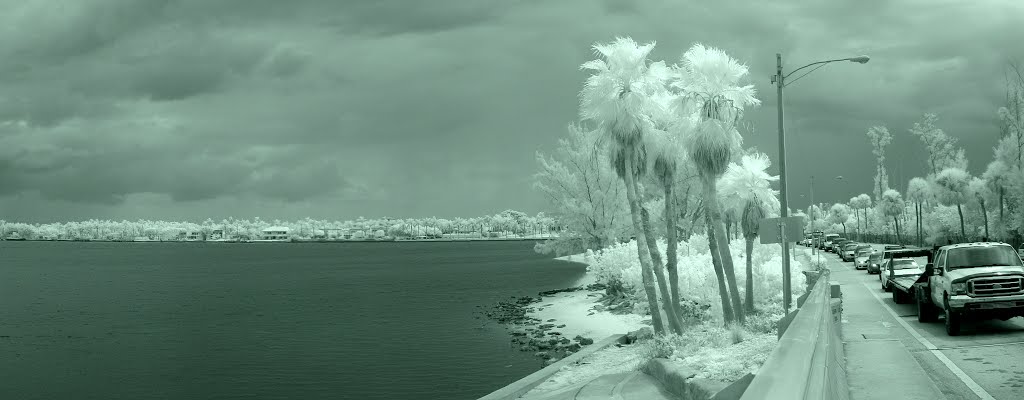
(657, 119)
(949, 203)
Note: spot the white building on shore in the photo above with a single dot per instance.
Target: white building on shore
(275, 233)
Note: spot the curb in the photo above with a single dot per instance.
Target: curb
(518, 388)
(681, 382)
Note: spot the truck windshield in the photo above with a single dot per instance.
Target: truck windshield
(905, 264)
(988, 256)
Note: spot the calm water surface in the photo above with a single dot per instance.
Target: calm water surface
(262, 320)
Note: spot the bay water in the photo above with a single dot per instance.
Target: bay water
(142, 321)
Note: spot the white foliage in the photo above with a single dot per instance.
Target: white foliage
(950, 186)
(891, 203)
(749, 182)
(697, 279)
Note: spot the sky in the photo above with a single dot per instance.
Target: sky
(195, 109)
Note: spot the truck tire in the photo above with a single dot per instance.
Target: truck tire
(925, 311)
(953, 320)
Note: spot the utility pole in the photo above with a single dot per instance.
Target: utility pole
(787, 294)
(814, 249)
(779, 81)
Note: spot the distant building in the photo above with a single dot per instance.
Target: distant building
(195, 235)
(275, 233)
(217, 234)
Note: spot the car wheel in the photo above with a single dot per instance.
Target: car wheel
(953, 320)
(925, 312)
(885, 286)
(896, 298)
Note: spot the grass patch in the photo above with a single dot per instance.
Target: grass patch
(716, 352)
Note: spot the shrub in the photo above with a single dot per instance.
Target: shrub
(617, 266)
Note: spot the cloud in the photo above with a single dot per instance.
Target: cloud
(398, 108)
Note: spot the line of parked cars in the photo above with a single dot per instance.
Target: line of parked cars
(863, 255)
(958, 283)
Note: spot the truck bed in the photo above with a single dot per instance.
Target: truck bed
(904, 283)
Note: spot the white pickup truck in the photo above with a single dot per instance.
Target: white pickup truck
(964, 281)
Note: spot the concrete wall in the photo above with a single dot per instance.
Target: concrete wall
(516, 389)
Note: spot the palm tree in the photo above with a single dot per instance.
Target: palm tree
(839, 214)
(670, 114)
(711, 77)
(891, 205)
(861, 202)
(918, 192)
(746, 187)
(979, 189)
(950, 187)
(996, 176)
(618, 96)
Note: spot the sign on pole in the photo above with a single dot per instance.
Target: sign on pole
(773, 229)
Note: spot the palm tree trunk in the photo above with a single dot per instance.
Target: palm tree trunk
(917, 215)
(659, 272)
(716, 261)
(984, 212)
(642, 251)
(672, 238)
(844, 227)
(1002, 222)
(896, 222)
(963, 232)
(728, 226)
(714, 211)
(856, 212)
(748, 303)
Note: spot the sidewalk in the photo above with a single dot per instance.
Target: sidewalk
(878, 362)
(624, 386)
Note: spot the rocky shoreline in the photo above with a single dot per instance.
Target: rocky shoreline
(539, 337)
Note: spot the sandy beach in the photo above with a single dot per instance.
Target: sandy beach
(576, 311)
(559, 322)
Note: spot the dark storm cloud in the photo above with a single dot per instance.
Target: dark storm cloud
(196, 107)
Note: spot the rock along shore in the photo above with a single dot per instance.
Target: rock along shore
(542, 337)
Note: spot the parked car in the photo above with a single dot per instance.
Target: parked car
(965, 281)
(849, 250)
(837, 246)
(893, 247)
(826, 241)
(881, 266)
(835, 242)
(899, 267)
(868, 259)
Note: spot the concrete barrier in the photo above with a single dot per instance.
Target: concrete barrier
(808, 363)
(518, 388)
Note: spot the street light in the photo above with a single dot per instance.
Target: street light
(779, 79)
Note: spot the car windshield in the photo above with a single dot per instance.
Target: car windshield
(863, 253)
(904, 264)
(875, 256)
(985, 256)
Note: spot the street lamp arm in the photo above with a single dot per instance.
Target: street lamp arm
(815, 63)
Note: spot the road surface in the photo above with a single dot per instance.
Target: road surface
(985, 362)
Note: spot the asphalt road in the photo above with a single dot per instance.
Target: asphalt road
(986, 361)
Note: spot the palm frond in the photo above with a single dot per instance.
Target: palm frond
(713, 77)
(710, 146)
(749, 182)
(621, 94)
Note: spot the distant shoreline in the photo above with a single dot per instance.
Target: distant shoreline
(289, 241)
